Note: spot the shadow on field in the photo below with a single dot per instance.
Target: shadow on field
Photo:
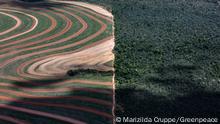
(38, 83)
(63, 105)
(60, 105)
(65, 102)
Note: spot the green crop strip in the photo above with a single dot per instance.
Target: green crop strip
(26, 24)
(10, 22)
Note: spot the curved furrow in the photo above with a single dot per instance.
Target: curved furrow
(6, 47)
(12, 120)
(52, 49)
(69, 56)
(18, 23)
(34, 25)
(63, 31)
(26, 65)
(43, 114)
(62, 41)
(87, 59)
(21, 72)
(27, 23)
(58, 65)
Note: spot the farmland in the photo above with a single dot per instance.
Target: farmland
(39, 44)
